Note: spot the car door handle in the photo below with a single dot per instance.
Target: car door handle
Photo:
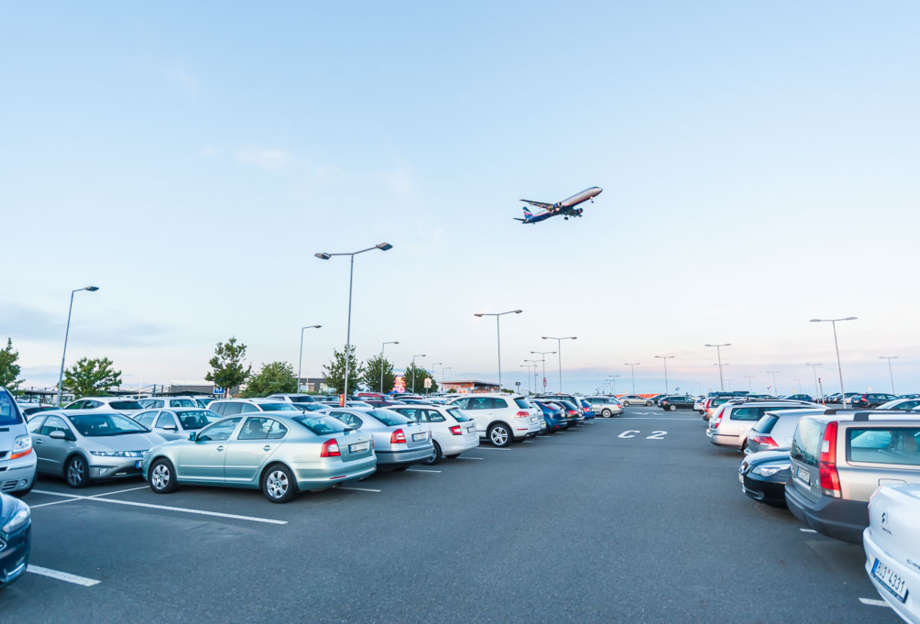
(36, 442)
(220, 448)
(267, 447)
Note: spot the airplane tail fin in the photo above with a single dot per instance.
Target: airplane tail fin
(527, 212)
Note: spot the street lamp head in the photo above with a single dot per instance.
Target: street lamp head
(478, 314)
(517, 311)
(384, 246)
(322, 255)
(850, 318)
(91, 288)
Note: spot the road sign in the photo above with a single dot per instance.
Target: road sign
(217, 390)
(427, 383)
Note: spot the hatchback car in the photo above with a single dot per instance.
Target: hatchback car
(280, 453)
(775, 428)
(763, 476)
(84, 445)
(872, 399)
(553, 415)
(892, 545)
(161, 402)
(502, 418)
(901, 404)
(398, 441)
(119, 404)
(17, 457)
(452, 432)
(605, 406)
(177, 422)
(635, 399)
(838, 461)
(15, 538)
(675, 402)
(232, 407)
(732, 422)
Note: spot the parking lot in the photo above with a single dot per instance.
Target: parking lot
(635, 518)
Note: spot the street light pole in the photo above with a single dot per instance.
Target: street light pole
(814, 369)
(498, 336)
(559, 351)
(718, 348)
(543, 355)
(66, 336)
(632, 366)
(323, 255)
(772, 374)
(890, 370)
(613, 383)
(531, 366)
(833, 322)
(300, 355)
(664, 359)
(382, 347)
(414, 370)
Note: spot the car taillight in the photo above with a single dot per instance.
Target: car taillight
(523, 414)
(827, 464)
(762, 438)
(398, 437)
(456, 430)
(717, 418)
(572, 413)
(330, 449)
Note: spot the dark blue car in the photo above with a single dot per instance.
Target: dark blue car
(554, 417)
(586, 409)
(15, 538)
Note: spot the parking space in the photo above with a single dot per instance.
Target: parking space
(635, 518)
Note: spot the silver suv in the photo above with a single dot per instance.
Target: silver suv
(838, 461)
(731, 423)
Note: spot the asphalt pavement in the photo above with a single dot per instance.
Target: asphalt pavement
(633, 519)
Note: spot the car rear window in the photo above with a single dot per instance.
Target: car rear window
(806, 443)
(746, 413)
(766, 422)
(278, 407)
(457, 414)
(522, 403)
(389, 417)
(889, 445)
(717, 401)
(129, 405)
(320, 425)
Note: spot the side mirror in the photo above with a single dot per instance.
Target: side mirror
(57, 434)
(193, 436)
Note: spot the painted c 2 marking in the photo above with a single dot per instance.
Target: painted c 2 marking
(629, 433)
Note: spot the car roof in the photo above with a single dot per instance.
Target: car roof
(868, 416)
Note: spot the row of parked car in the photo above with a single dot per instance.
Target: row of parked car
(849, 473)
(282, 444)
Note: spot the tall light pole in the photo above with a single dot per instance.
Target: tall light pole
(664, 359)
(890, 370)
(531, 366)
(632, 366)
(300, 355)
(543, 355)
(613, 382)
(498, 336)
(814, 369)
(772, 374)
(414, 370)
(559, 340)
(718, 348)
(750, 384)
(833, 322)
(383, 346)
(323, 255)
(66, 336)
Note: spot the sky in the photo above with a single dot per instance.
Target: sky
(759, 165)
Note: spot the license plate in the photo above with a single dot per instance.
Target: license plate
(359, 447)
(890, 579)
(138, 464)
(418, 437)
(803, 475)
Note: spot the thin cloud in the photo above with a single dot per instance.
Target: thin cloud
(21, 322)
(268, 158)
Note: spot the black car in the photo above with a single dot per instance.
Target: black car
(670, 403)
(799, 397)
(871, 399)
(763, 476)
(15, 538)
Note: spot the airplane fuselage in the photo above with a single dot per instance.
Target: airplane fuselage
(565, 207)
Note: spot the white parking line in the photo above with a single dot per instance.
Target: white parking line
(199, 512)
(421, 470)
(476, 458)
(357, 489)
(807, 530)
(62, 576)
(141, 487)
(872, 602)
(491, 448)
(656, 418)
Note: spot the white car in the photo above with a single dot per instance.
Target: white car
(128, 407)
(892, 545)
(731, 424)
(161, 402)
(901, 404)
(452, 432)
(605, 406)
(502, 418)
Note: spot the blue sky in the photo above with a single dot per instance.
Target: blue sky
(759, 165)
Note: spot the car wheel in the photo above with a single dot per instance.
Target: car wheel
(435, 454)
(162, 477)
(278, 484)
(606, 413)
(673, 408)
(500, 435)
(76, 472)
(648, 404)
(625, 403)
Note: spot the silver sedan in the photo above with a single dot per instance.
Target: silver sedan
(399, 441)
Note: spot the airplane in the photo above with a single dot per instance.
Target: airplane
(566, 207)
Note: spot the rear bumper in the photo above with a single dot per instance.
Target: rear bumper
(402, 458)
(459, 444)
(909, 610)
(340, 472)
(723, 440)
(14, 558)
(841, 519)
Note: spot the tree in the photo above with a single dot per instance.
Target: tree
(91, 377)
(419, 374)
(9, 369)
(334, 371)
(372, 374)
(274, 377)
(227, 365)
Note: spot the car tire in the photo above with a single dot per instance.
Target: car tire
(648, 404)
(625, 403)
(278, 484)
(606, 413)
(76, 472)
(162, 476)
(500, 435)
(673, 408)
(436, 454)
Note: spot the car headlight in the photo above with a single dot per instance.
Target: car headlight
(768, 470)
(19, 519)
(22, 446)
(117, 453)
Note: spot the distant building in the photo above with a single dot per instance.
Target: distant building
(465, 387)
(315, 384)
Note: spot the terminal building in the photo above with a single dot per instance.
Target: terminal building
(467, 386)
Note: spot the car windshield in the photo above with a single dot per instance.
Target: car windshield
(320, 425)
(522, 403)
(128, 405)
(197, 419)
(104, 424)
(279, 407)
(457, 414)
(9, 414)
(389, 417)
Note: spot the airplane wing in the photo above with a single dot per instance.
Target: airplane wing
(543, 205)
